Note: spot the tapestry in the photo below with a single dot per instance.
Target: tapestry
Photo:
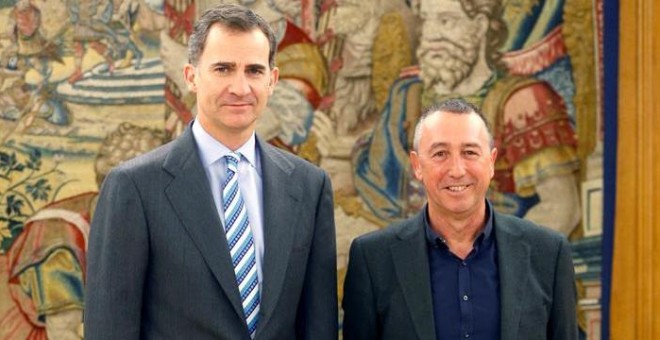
(88, 84)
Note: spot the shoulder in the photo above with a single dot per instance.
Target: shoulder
(537, 236)
(148, 160)
(401, 230)
(289, 162)
(154, 163)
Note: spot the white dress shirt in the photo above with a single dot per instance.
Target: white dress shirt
(212, 154)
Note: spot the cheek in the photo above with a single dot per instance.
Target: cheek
(433, 175)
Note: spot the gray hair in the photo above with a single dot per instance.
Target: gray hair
(234, 17)
(453, 105)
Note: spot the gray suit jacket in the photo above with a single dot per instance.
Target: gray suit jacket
(159, 264)
(387, 292)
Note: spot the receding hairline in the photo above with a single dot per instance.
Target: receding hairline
(237, 32)
(422, 123)
(235, 18)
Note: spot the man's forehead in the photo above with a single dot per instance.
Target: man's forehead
(441, 122)
(226, 29)
(439, 6)
(228, 45)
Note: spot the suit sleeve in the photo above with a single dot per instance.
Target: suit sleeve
(317, 316)
(563, 319)
(358, 303)
(117, 262)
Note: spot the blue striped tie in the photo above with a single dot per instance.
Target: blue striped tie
(241, 244)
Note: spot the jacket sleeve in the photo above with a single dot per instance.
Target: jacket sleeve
(563, 317)
(360, 319)
(317, 311)
(117, 262)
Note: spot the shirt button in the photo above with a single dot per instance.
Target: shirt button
(464, 264)
(465, 298)
(467, 335)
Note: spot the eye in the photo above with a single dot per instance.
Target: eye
(440, 154)
(447, 22)
(255, 71)
(222, 69)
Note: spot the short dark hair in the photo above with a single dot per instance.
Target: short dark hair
(233, 17)
(452, 105)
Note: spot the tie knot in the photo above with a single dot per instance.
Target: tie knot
(232, 159)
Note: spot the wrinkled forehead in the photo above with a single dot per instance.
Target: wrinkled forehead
(433, 7)
(442, 124)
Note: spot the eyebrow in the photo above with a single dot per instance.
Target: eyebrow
(223, 63)
(256, 67)
(464, 145)
(232, 65)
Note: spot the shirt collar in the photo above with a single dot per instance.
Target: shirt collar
(211, 150)
(484, 237)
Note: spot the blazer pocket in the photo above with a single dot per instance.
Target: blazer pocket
(302, 239)
(533, 316)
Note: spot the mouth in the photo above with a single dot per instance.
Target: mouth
(457, 188)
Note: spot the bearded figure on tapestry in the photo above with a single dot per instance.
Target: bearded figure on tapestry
(512, 61)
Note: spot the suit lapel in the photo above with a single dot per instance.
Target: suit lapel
(281, 201)
(513, 262)
(412, 269)
(191, 199)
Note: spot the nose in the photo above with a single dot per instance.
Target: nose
(240, 85)
(457, 167)
(431, 33)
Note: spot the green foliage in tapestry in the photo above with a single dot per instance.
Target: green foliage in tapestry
(25, 187)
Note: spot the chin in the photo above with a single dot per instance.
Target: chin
(460, 207)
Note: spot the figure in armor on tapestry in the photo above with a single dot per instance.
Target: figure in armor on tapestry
(30, 47)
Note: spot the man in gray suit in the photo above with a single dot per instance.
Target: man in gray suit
(458, 269)
(216, 235)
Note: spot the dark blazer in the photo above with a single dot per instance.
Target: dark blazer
(387, 292)
(159, 264)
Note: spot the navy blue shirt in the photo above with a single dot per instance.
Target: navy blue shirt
(466, 293)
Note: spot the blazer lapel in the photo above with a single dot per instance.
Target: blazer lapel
(513, 261)
(191, 198)
(412, 269)
(281, 200)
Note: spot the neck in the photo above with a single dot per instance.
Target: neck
(232, 139)
(459, 232)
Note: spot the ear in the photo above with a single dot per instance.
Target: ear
(189, 77)
(272, 80)
(414, 162)
(482, 22)
(493, 158)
